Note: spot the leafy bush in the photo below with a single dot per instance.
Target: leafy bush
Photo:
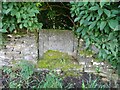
(97, 23)
(23, 75)
(19, 15)
(20, 75)
(51, 81)
(94, 84)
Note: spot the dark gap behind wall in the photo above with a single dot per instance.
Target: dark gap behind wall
(55, 15)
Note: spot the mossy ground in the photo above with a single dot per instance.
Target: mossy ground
(57, 60)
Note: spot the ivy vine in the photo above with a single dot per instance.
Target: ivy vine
(19, 15)
(98, 23)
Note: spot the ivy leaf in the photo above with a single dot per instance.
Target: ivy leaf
(77, 19)
(100, 11)
(102, 25)
(113, 24)
(13, 12)
(24, 16)
(18, 15)
(72, 2)
(111, 36)
(32, 14)
(112, 48)
(92, 2)
(25, 25)
(79, 29)
(92, 25)
(8, 10)
(1, 25)
(87, 42)
(103, 46)
(18, 20)
(80, 3)
(82, 12)
(85, 2)
(82, 21)
(89, 17)
(12, 27)
(84, 31)
(94, 8)
(72, 15)
(3, 31)
(102, 3)
(20, 26)
(36, 11)
(29, 23)
(107, 12)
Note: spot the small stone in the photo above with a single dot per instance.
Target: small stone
(9, 36)
(102, 74)
(58, 71)
(105, 80)
(28, 58)
(95, 63)
(102, 63)
(89, 66)
(83, 63)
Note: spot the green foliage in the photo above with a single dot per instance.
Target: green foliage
(51, 81)
(19, 15)
(19, 79)
(21, 75)
(94, 84)
(98, 24)
(26, 69)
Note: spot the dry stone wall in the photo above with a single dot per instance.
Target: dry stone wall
(18, 48)
(24, 47)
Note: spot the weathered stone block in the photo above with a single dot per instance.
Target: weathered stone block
(62, 40)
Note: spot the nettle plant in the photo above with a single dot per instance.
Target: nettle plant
(20, 15)
(98, 23)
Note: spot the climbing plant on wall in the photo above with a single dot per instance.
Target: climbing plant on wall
(19, 15)
(98, 23)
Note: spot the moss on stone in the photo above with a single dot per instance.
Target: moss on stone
(72, 73)
(86, 52)
(51, 54)
(97, 60)
(57, 60)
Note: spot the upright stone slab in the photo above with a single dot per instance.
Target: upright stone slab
(62, 40)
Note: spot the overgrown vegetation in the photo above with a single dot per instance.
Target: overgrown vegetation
(24, 75)
(98, 24)
(19, 16)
